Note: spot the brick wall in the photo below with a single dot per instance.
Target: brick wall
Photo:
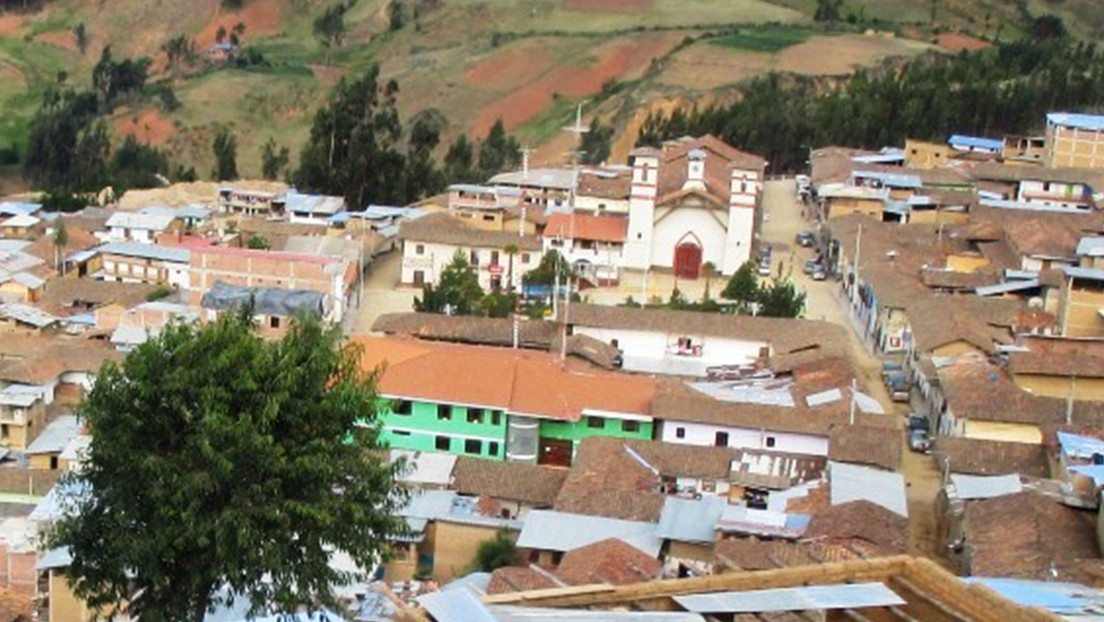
(27, 481)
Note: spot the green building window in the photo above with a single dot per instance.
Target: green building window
(596, 422)
(630, 426)
(496, 418)
(492, 449)
(401, 407)
(443, 443)
(475, 415)
(400, 433)
(444, 412)
(473, 446)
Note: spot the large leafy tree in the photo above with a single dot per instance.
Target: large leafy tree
(457, 291)
(353, 146)
(780, 298)
(743, 287)
(224, 464)
(460, 162)
(225, 150)
(499, 152)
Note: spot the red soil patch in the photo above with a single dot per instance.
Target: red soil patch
(608, 6)
(615, 62)
(955, 42)
(149, 127)
(326, 75)
(62, 39)
(515, 66)
(261, 17)
(10, 25)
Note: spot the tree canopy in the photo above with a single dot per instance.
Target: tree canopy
(223, 463)
(457, 291)
(1006, 89)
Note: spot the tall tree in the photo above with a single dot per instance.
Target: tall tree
(80, 33)
(179, 50)
(780, 298)
(273, 159)
(329, 28)
(353, 146)
(596, 143)
(743, 287)
(225, 148)
(423, 178)
(498, 152)
(61, 240)
(460, 162)
(396, 15)
(224, 463)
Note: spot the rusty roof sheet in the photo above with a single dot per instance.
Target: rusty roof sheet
(878, 446)
(984, 457)
(513, 481)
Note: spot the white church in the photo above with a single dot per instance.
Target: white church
(691, 202)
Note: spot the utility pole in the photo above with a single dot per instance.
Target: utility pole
(854, 387)
(1069, 400)
(855, 267)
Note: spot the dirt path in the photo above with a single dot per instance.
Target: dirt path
(381, 294)
(825, 301)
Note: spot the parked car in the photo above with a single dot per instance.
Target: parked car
(900, 389)
(819, 274)
(919, 441)
(811, 265)
(764, 268)
(918, 421)
(805, 239)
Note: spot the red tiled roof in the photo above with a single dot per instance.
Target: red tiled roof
(587, 227)
(609, 561)
(518, 579)
(519, 381)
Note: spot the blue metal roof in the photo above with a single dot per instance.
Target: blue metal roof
(1003, 288)
(897, 180)
(1080, 446)
(975, 141)
(1073, 119)
(1084, 273)
(15, 208)
(1067, 599)
(690, 520)
(448, 605)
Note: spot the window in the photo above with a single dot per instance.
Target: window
(443, 443)
(419, 249)
(53, 463)
(595, 422)
(615, 343)
(525, 258)
(400, 432)
(488, 217)
(475, 415)
(680, 432)
(402, 407)
(630, 426)
(444, 412)
(721, 439)
(274, 322)
(496, 418)
(494, 258)
(474, 258)
(492, 449)
(770, 441)
(557, 243)
(473, 446)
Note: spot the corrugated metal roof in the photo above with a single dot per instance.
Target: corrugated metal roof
(1093, 246)
(147, 251)
(557, 178)
(811, 598)
(130, 335)
(426, 467)
(1003, 288)
(20, 220)
(14, 208)
(1080, 446)
(1081, 121)
(1084, 273)
(313, 203)
(985, 486)
(690, 520)
(507, 613)
(850, 482)
(152, 221)
(27, 279)
(28, 315)
(55, 436)
(477, 189)
(896, 180)
(561, 531)
(824, 397)
(54, 558)
(975, 141)
(1069, 600)
(1095, 471)
(455, 606)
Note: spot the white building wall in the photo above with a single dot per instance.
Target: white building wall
(743, 438)
(745, 188)
(638, 246)
(595, 204)
(178, 275)
(673, 227)
(435, 257)
(644, 344)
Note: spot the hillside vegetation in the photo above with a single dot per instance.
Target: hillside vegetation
(527, 62)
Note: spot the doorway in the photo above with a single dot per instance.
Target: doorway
(555, 452)
(688, 260)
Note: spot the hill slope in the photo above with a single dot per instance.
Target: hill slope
(525, 61)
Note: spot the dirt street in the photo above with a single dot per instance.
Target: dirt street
(381, 295)
(825, 301)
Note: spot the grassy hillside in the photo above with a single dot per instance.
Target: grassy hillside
(525, 61)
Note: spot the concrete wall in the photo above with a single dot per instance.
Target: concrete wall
(420, 430)
(843, 207)
(1074, 148)
(433, 258)
(454, 547)
(999, 431)
(1081, 317)
(654, 345)
(693, 220)
(1061, 386)
(967, 263)
(921, 154)
(742, 438)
